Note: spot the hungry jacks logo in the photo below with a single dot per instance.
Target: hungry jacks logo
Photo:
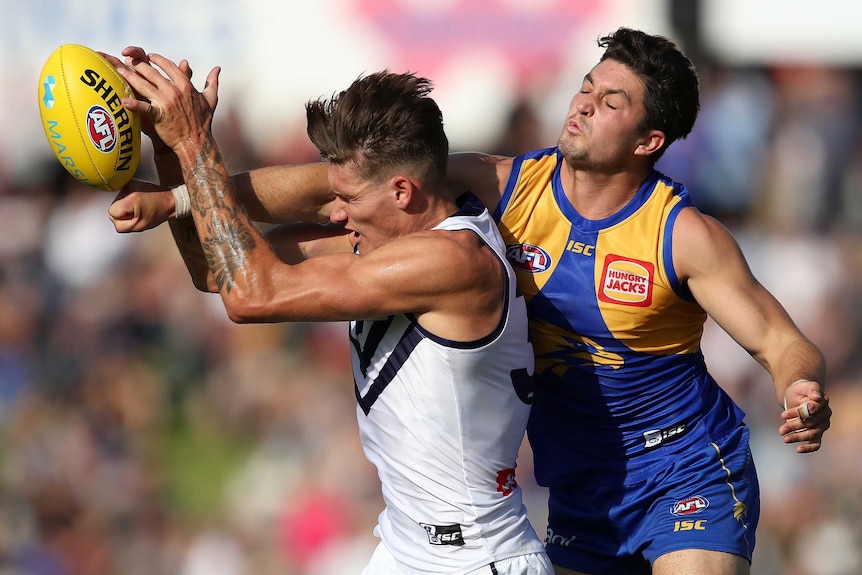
(627, 281)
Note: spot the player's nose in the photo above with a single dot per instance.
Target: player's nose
(338, 215)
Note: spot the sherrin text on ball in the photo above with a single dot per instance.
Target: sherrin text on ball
(93, 136)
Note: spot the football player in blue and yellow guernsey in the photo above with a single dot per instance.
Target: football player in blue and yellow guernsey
(646, 458)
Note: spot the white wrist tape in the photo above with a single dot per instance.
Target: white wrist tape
(183, 204)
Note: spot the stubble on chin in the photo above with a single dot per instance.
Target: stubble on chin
(573, 154)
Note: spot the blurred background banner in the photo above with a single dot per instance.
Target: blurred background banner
(142, 432)
(481, 54)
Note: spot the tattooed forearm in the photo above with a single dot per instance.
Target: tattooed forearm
(226, 246)
(226, 233)
(207, 185)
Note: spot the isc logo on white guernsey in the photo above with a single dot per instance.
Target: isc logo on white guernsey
(626, 281)
(444, 534)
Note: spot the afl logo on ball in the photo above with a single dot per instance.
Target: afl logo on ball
(102, 130)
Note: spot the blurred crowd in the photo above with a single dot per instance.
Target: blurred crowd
(142, 432)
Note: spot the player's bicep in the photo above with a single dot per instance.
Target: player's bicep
(415, 274)
(342, 286)
(710, 261)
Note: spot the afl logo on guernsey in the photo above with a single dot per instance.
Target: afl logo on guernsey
(626, 281)
(528, 258)
(102, 130)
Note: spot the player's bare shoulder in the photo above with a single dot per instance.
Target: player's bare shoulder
(465, 278)
(702, 245)
(461, 256)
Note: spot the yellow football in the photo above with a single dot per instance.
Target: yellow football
(96, 139)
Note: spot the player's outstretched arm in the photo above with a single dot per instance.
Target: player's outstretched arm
(296, 242)
(300, 193)
(708, 258)
(287, 193)
(276, 194)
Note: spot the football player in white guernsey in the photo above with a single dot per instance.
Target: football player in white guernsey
(628, 429)
(441, 359)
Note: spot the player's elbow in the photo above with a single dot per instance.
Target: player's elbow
(205, 283)
(245, 307)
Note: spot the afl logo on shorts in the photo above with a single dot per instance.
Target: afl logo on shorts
(528, 258)
(102, 130)
(689, 505)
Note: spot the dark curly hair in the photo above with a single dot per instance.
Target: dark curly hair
(672, 99)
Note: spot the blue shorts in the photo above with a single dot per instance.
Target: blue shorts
(707, 499)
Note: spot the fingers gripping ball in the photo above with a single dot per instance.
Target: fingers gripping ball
(93, 136)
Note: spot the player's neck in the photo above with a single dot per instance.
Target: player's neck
(597, 195)
(437, 209)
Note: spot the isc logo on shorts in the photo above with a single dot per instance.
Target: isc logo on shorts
(655, 437)
(444, 534)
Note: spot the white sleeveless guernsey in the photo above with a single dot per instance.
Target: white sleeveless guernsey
(443, 421)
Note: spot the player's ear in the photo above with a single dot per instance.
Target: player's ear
(403, 190)
(649, 143)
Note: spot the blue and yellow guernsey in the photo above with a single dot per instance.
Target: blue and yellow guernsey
(622, 383)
